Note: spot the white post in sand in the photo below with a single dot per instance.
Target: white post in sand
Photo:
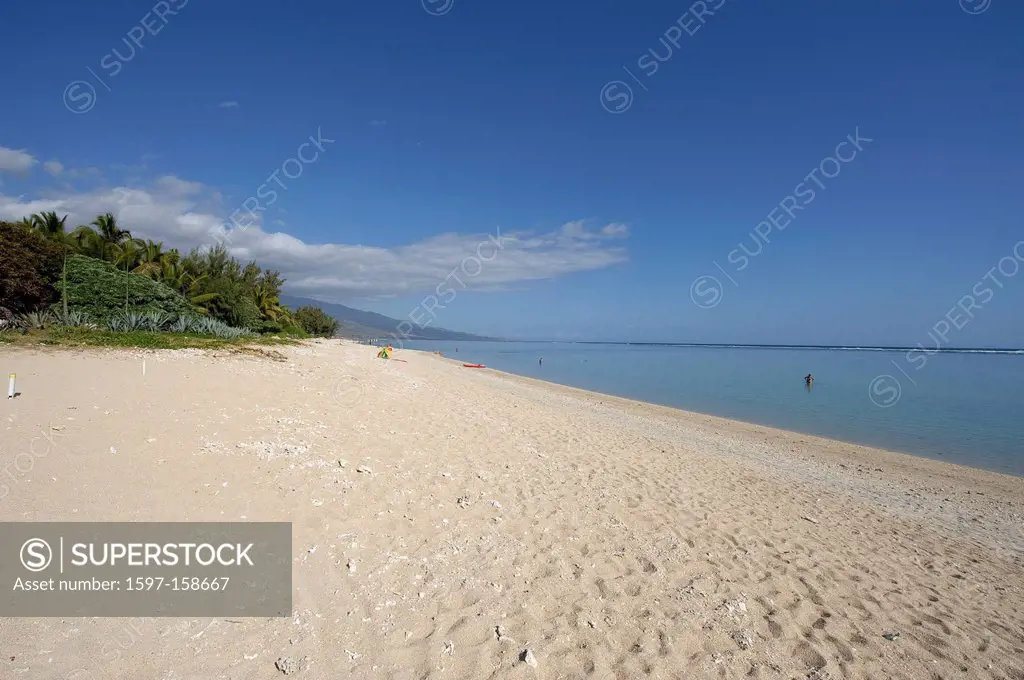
(10, 386)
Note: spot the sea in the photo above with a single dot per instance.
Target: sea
(962, 406)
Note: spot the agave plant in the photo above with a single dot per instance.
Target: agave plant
(35, 320)
(201, 325)
(73, 318)
(157, 321)
(209, 326)
(184, 324)
(116, 324)
(124, 323)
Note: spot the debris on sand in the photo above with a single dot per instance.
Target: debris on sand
(743, 639)
(289, 666)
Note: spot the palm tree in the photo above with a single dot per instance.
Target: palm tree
(110, 233)
(268, 302)
(48, 224)
(175, 275)
(88, 242)
(126, 252)
(151, 259)
(52, 227)
(194, 292)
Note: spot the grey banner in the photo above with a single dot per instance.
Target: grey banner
(145, 569)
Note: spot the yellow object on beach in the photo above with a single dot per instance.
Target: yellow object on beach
(385, 352)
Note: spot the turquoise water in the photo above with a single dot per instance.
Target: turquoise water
(964, 408)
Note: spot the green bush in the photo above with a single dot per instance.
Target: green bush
(316, 322)
(245, 314)
(29, 267)
(295, 332)
(268, 327)
(98, 289)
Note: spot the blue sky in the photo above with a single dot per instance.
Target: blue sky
(451, 120)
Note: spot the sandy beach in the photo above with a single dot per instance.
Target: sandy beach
(446, 520)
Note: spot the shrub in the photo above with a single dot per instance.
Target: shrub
(30, 265)
(98, 289)
(295, 331)
(269, 327)
(316, 322)
(245, 314)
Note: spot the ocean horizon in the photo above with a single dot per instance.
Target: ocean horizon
(953, 404)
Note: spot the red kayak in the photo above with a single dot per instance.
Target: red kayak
(473, 366)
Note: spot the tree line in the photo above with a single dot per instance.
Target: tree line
(44, 262)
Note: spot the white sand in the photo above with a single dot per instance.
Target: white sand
(626, 541)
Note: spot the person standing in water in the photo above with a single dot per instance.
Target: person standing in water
(540, 362)
(809, 380)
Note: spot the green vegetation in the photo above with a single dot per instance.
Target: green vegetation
(29, 265)
(84, 337)
(99, 289)
(98, 285)
(316, 322)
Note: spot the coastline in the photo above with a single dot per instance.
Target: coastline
(965, 423)
(624, 539)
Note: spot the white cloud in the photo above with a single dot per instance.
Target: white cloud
(228, 105)
(173, 186)
(615, 230)
(53, 167)
(85, 173)
(185, 214)
(15, 160)
(578, 229)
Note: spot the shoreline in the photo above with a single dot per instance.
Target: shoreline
(928, 454)
(612, 537)
(601, 397)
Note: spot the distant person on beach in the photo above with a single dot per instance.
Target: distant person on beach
(809, 380)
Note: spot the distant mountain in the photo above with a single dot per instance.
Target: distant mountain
(357, 323)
